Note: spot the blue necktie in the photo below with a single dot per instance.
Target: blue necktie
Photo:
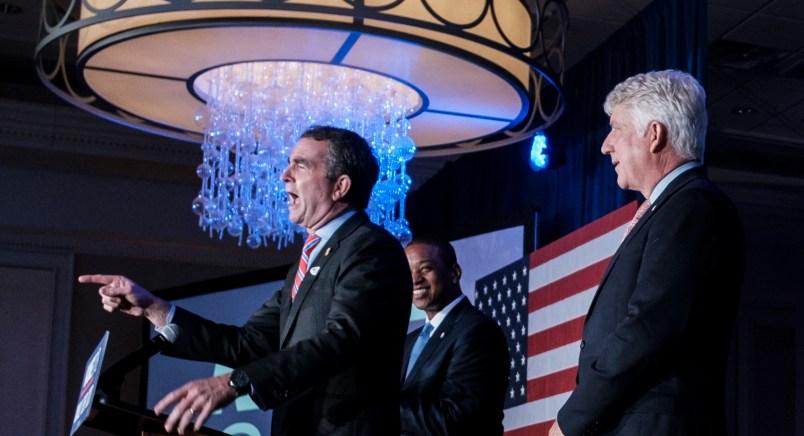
(424, 336)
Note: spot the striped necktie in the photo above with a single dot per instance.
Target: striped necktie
(641, 211)
(309, 245)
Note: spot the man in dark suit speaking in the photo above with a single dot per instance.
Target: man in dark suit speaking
(656, 336)
(325, 351)
(455, 368)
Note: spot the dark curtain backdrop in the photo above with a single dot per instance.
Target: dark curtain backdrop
(496, 188)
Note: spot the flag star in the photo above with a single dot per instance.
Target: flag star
(518, 318)
(503, 308)
(505, 280)
(480, 305)
(512, 393)
(517, 377)
(518, 348)
(513, 305)
(499, 297)
(524, 300)
(513, 363)
(494, 313)
(485, 288)
(524, 270)
(519, 288)
(513, 276)
(523, 330)
(509, 292)
(513, 334)
(508, 321)
(522, 390)
(522, 359)
(489, 301)
(494, 285)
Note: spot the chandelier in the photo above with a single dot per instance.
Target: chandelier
(245, 78)
(254, 112)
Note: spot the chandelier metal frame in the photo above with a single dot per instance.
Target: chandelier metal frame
(487, 73)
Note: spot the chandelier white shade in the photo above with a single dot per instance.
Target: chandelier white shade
(471, 75)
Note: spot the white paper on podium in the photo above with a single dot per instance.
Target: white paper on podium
(90, 382)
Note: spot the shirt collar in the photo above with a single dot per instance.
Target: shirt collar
(662, 185)
(326, 231)
(436, 321)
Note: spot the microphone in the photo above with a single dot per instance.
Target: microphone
(111, 380)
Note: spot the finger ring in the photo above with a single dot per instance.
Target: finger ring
(192, 412)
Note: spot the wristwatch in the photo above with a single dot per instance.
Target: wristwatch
(239, 381)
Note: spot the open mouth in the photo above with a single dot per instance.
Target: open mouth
(418, 292)
(292, 199)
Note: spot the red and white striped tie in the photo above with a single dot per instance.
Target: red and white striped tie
(309, 245)
(641, 211)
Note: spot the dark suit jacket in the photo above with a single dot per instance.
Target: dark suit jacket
(328, 363)
(656, 336)
(457, 385)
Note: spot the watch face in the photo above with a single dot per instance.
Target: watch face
(238, 380)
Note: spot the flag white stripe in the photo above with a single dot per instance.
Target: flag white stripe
(578, 258)
(561, 311)
(534, 412)
(564, 357)
(555, 360)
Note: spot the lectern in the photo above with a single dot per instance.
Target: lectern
(124, 419)
(106, 412)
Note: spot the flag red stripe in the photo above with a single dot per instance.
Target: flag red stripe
(568, 286)
(87, 386)
(583, 235)
(552, 384)
(555, 301)
(561, 334)
(540, 429)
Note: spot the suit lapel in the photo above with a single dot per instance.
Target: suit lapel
(439, 336)
(672, 188)
(319, 263)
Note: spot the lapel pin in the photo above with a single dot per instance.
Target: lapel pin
(314, 270)
(326, 253)
(442, 335)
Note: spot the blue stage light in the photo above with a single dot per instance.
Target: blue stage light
(538, 152)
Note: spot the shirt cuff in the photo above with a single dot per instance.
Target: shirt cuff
(168, 318)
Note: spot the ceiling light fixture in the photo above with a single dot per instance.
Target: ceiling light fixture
(400, 72)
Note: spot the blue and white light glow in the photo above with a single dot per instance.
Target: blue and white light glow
(538, 152)
(256, 111)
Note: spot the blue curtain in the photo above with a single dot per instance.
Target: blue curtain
(486, 190)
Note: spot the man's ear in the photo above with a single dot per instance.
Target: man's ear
(657, 132)
(456, 272)
(342, 185)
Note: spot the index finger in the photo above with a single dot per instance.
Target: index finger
(102, 279)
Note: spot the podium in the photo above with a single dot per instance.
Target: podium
(124, 419)
(99, 406)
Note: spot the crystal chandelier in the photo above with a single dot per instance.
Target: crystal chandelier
(451, 79)
(256, 111)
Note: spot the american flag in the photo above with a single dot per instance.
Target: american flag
(540, 302)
